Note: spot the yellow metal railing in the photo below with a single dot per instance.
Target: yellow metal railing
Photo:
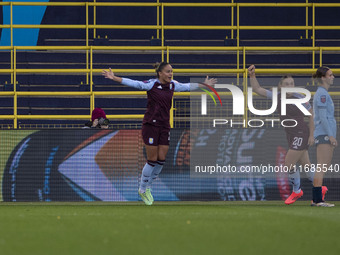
(165, 51)
(161, 8)
(91, 72)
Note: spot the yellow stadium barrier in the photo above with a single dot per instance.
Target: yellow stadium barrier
(160, 27)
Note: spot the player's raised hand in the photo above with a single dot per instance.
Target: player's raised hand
(251, 70)
(211, 81)
(108, 74)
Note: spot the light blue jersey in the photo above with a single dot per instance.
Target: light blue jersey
(324, 120)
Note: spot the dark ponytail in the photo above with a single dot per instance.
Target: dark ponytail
(320, 72)
(159, 67)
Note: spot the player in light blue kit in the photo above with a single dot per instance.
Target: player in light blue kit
(325, 130)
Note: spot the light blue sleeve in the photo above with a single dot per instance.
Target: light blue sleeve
(269, 94)
(324, 121)
(182, 87)
(321, 100)
(141, 85)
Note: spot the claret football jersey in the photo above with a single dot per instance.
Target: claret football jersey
(159, 98)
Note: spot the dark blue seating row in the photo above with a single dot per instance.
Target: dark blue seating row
(71, 82)
(249, 16)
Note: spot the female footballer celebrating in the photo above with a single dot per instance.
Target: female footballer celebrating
(156, 126)
(325, 130)
(299, 137)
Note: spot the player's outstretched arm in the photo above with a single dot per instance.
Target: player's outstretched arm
(110, 75)
(210, 82)
(182, 87)
(254, 83)
(128, 82)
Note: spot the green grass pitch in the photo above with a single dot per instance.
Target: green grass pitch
(168, 228)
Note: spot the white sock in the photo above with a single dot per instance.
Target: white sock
(146, 175)
(294, 179)
(156, 171)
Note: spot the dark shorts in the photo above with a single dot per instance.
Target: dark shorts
(154, 135)
(322, 139)
(298, 142)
